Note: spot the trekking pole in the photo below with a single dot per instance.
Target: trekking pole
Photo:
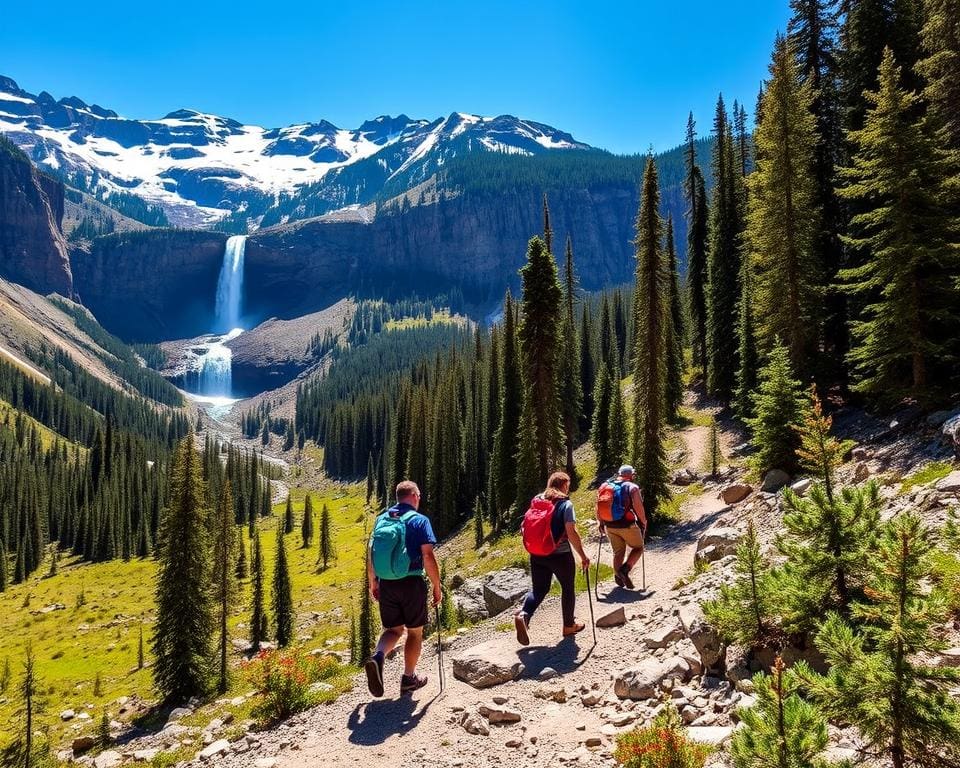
(596, 575)
(643, 567)
(436, 609)
(593, 623)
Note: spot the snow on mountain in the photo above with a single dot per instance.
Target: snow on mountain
(201, 167)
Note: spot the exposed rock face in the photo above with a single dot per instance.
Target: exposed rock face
(504, 588)
(33, 251)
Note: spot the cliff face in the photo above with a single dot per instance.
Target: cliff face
(33, 251)
(161, 284)
(151, 285)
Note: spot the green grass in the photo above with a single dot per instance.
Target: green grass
(440, 316)
(946, 572)
(930, 473)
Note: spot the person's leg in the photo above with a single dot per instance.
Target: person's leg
(565, 569)
(411, 650)
(618, 546)
(541, 574)
(388, 640)
(634, 537)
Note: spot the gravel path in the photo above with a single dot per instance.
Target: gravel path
(424, 729)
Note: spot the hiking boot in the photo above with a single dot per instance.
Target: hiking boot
(624, 574)
(618, 580)
(520, 622)
(573, 629)
(411, 683)
(374, 669)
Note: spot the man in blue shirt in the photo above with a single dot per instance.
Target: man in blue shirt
(403, 601)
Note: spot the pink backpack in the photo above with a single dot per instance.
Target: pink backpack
(537, 528)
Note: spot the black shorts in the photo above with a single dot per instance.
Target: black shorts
(403, 602)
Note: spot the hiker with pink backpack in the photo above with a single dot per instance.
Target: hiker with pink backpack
(550, 536)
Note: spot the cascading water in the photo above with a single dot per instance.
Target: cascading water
(230, 286)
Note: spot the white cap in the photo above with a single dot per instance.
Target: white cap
(626, 469)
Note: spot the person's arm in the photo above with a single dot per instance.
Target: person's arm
(372, 581)
(637, 500)
(573, 536)
(433, 571)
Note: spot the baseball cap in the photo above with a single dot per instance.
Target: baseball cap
(626, 469)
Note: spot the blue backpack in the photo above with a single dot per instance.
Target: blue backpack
(613, 502)
(388, 546)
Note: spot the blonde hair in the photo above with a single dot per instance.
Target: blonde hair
(555, 486)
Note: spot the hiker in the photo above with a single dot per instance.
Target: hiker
(401, 548)
(549, 532)
(621, 516)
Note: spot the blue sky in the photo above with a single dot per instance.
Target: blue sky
(618, 75)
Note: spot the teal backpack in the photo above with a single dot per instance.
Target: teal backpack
(388, 546)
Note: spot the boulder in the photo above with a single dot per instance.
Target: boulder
(950, 433)
(774, 480)
(714, 735)
(217, 748)
(145, 755)
(704, 637)
(663, 637)
(82, 744)
(490, 663)
(643, 681)
(950, 483)
(685, 476)
(735, 492)
(723, 541)
(615, 618)
(67, 714)
(469, 600)
(176, 714)
(107, 759)
(499, 714)
(502, 589)
(801, 486)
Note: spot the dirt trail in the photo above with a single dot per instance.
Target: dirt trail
(422, 730)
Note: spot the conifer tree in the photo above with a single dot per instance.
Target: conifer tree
(184, 623)
(742, 612)
(258, 615)
(327, 549)
(782, 223)
(675, 331)
(503, 478)
(478, 536)
(777, 407)
(223, 583)
(619, 428)
(242, 570)
(697, 236)
(588, 370)
(103, 729)
(540, 335)
(600, 434)
(782, 730)
(288, 521)
(281, 594)
(570, 391)
(651, 318)
(306, 525)
(748, 362)
(911, 303)
(529, 480)
(878, 678)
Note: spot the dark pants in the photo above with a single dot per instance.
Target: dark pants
(542, 571)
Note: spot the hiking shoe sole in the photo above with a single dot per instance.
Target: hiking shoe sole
(522, 636)
(411, 684)
(374, 677)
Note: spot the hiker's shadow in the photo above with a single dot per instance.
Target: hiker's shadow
(372, 723)
(621, 596)
(562, 657)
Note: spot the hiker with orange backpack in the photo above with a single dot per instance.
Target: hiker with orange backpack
(550, 535)
(621, 516)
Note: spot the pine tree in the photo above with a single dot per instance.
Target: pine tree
(651, 319)
(742, 612)
(782, 223)
(184, 623)
(288, 521)
(281, 594)
(478, 536)
(878, 678)
(748, 359)
(570, 390)
(588, 370)
(905, 336)
(224, 583)
(242, 571)
(103, 730)
(600, 434)
(540, 334)
(306, 525)
(782, 730)
(619, 427)
(258, 615)
(529, 479)
(503, 478)
(327, 550)
(777, 406)
(675, 331)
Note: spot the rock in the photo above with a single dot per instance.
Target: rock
(107, 759)
(558, 694)
(474, 723)
(265, 762)
(684, 476)
(643, 681)
(469, 600)
(859, 453)
(735, 492)
(663, 637)
(615, 618)
(950, 657)
(591, 698)
(487, 664)
(704, 637)
(178, 713)
(861, 472)
(716, 543)
(774, 480)
(82, 744)
(145, 755)
(714, 735)
(502, 589)
(950, 483)
(950, 433)
(499, 715)
(801, 486)
(217, 748)
(593, 741)
(547, 673)
(67, 714)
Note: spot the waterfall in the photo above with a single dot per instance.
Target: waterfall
(230, 286)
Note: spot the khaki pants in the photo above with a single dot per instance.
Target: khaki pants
(621, 538)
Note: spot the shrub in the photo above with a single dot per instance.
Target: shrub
(662, 744)
(285, 679)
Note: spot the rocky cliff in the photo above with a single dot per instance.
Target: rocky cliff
(33, 251)
(161, 284)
